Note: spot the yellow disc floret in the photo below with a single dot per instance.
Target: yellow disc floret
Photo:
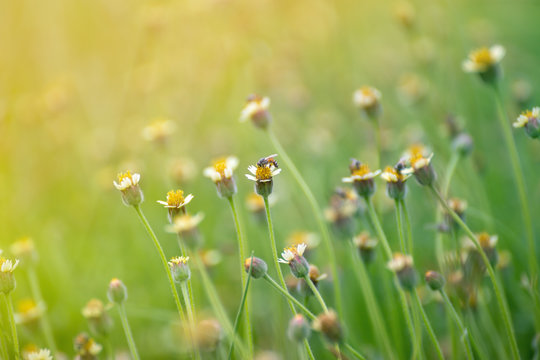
(175, 198)
(263, 173)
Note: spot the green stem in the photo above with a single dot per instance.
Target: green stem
(399, 222)
(163, 261)
(191, 317)
(498, 294)
(373, 309)
(11, 318)
(407, 225)
(316, 292)
(127, 331)
(427, 324)
(465, 335)
(450, 170)
(45, 324)
(241, 253)
(354, 352)
(520, 183)
(291, 298)
(329, 249)
(184, 253)
(241, 308)
(417, 351)
(308, 350)
(378, 141)
(274, 248)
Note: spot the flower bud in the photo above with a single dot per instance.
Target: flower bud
(180, 269)
(368, 101)
(530, 120)
(221, 173)
(402, 265)
(258, 267)
(463, 144)
(328, 324)
(99, 321)
(7, 279)
(434, 280)
(264, 188)
(297, 262)
(299, 328)
(117, 292)
(128, 184)
(256, 110)
(366, 246)
(226, 188)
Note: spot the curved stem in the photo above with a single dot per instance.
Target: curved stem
(465, 335)
(520, 183)
(274, 248)
(241, 252)
(427, 324)
(163, 261)
(316, 292)
(191, 318)
(44, 322)
(498, 293)
(330, 252)
(12, 326)
(127, 331)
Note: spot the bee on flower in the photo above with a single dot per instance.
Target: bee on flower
(186, 227)
(128, 184)
(28, 312)
(176, 203)
(293, 256)
(221, 173)
(159, 131)
(402, 265)
(7, 279)
(530, 120)
(395, 181)
(368, 100)
(362, 178)
(486, 63)
(256, 110)
(263, 174)
(420, 165)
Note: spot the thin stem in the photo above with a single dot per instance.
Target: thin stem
(163, 261)
(418, 333)
(465, 335)
(127, 331)
(241, 252)
(191, 318)
(378, 141)
(308, 350)
(416, 340)
(241, 308)
(45, 324)
(183, 251)
(427, 324)
(372, 304)
(520, 183)
(274, 248)
(11, 318)
(450, 170)
(498, 294)
(329, 249)
(316, 292)
(354, 352)
(408, 226)
(285, 293)
(400, 228)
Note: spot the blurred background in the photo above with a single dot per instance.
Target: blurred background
(81, 80)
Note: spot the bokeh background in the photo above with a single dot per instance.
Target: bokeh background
(79, 81)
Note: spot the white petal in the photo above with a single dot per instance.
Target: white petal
(347, 180)
(232, 162)
(275, 172)
(497, 52)
(300, 248)
(251, 177)
(252, 169)
(188, 199)
(162, 202)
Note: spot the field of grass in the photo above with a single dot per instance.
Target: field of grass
(91, 89)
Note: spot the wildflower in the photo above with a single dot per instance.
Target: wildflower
(28, 311)
(299, 328)
(459, 207)
(159, 130)
(221, 173)
(208, 334)
(395, 181)
(434, 280)
(259, 268)
(7, 279)
(180, 268)
(263, 174)
(487, 243)
(99, 321)
(315, 276)
(361, 178)
(328, 324)
(486, 63)
(463, 144)
(86, 347)
(117, 291)
(530, 120)
(344, 207)
(25, 250)
(402, 265)
(256, 110)
(128, 184)
(42, 354)
(186, 227)
(366, 246)
(176, 203)
(420, 166)
(368, 100)
(293, 256)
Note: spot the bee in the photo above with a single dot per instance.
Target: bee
(269, 160)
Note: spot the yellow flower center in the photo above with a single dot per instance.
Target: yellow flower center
(367, 92)
(394, 172)
(175, 198)
(25, 306)
(263, 173)
(482, 56)
(484, 239)
(179, 260)
(362, 170)
(220, 166)
(528, 113)
(126, 175)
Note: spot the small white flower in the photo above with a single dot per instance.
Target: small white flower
(127, 180)
(525, 117)
(176, 200)
(186, 222)
(43, 354)
(361, 176)
(8, 266)
(221, 169)
(254, 106)
(366, 97)
(482, 59)
(290, 253)
(399, 262)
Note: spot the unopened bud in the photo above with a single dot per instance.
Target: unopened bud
(434, 280)
(463, 144)
(328, 324)
(117, 292)
(180, 269)
(258, 267)
(299, 328)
